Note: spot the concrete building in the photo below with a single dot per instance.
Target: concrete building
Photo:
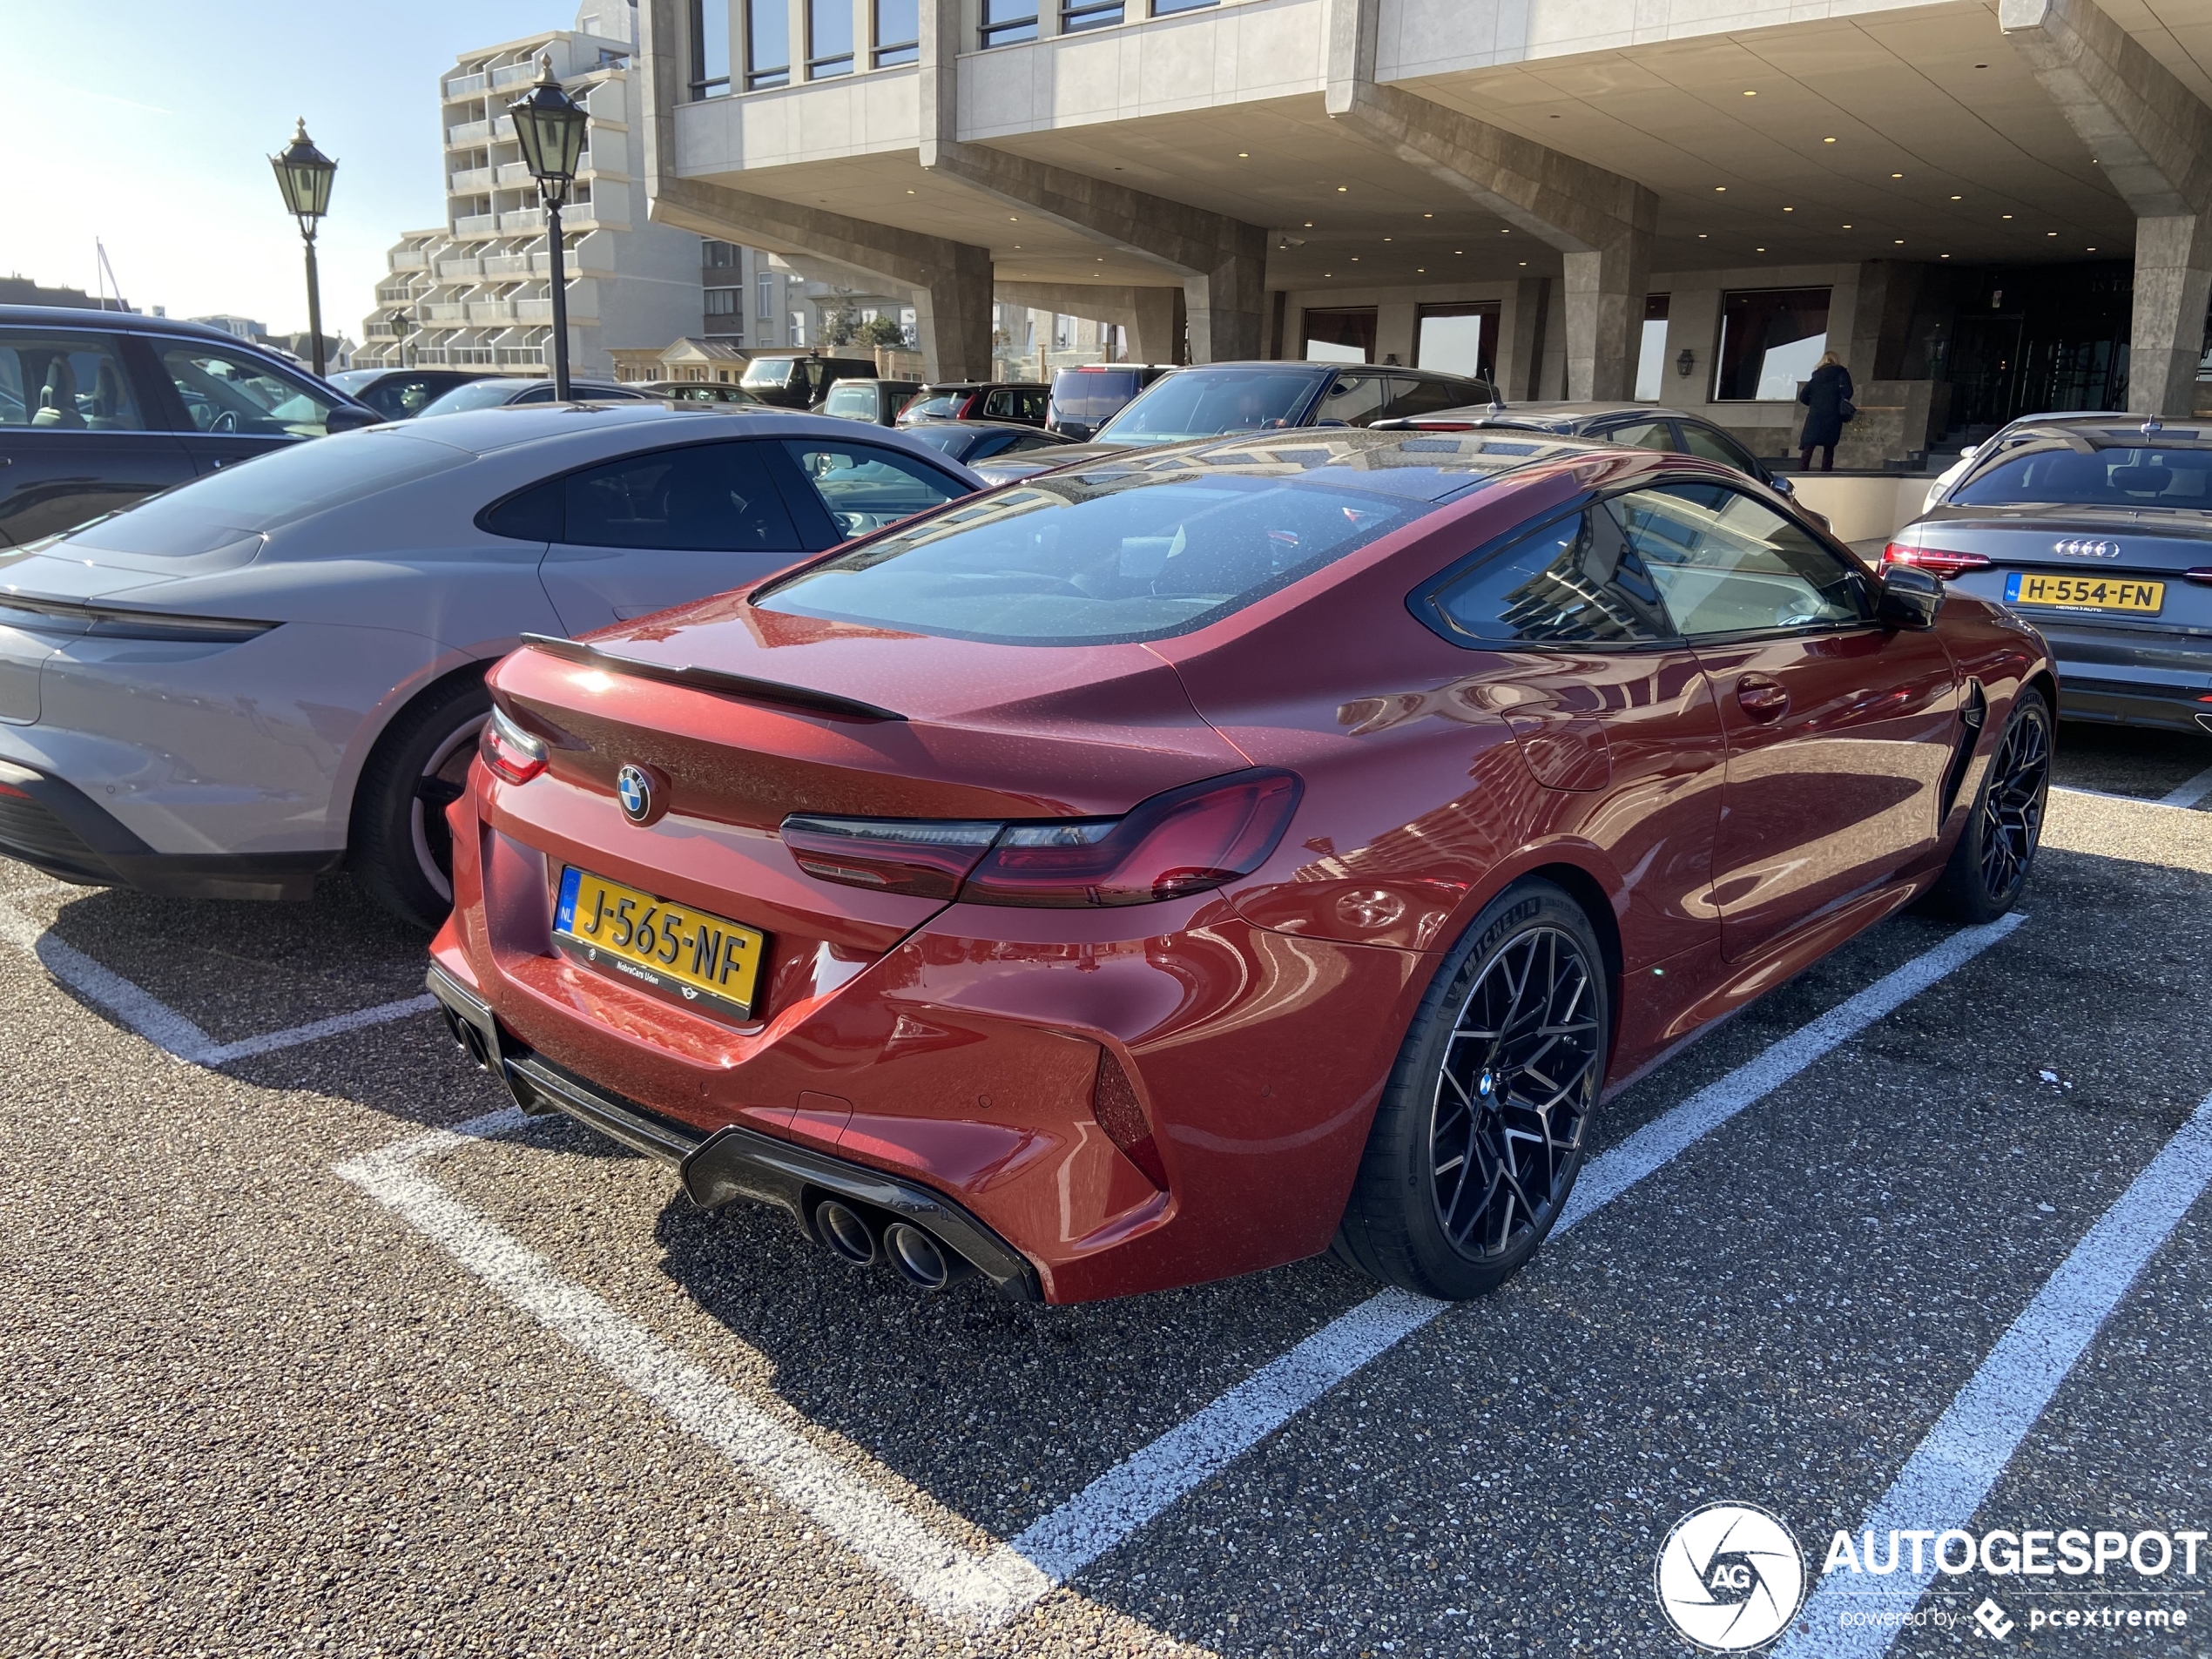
(474, 290)
(1984, 206)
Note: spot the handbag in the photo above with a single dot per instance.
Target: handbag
(1846, 411)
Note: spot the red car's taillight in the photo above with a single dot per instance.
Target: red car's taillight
(1183, 841)
(924, 857)
(1935, 561)
(513, 754)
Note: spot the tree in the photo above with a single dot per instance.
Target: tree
(880, 330)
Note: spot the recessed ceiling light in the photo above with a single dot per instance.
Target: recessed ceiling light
(2050, 232)
(910, 193)
(1943, 256)
(1981, 66)
(1419, 269)
(1244, 155)
(1701, 236)
(1847, 227)
(1897, 175)
(1720, 187)
(1309, 224)
(1750, 95)
(1388, 238)
(1958, 199)
(1342, 188)
(1428, 216)
(1758, 250)
(1328, 274)
(1355, 259)
(1900, 241)
(1789, 210)
(1524, 261)
(1459, 250)
(2008, 216)
(1828, 141)
(2088, 250)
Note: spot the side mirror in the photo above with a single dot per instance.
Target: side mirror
(1908, 598)
(1780, 485)
(347, 418)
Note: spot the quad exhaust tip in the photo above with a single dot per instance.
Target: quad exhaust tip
(847, 1233)
(865, 1237)
(920, 1259)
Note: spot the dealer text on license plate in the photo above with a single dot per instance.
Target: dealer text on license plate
(2085, 593)
(682, 953)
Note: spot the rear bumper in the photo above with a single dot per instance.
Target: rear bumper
(56, 827)
(729, 1162)
(2083, 696)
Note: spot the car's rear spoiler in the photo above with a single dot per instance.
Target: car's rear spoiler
(805, 699)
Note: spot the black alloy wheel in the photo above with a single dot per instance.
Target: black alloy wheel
(1481, 1128)
(1519, 1078)
(400, 846)
(1989, 867)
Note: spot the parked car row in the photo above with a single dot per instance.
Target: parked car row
(1020, 880)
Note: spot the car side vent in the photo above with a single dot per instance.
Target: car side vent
(1972, 714)
(1114, 1103)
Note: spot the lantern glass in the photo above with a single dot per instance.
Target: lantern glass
(303, 174)
(549, 129)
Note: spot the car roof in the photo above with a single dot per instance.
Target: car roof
(1424, 466)
(983, 385)
(2102, 431)
(616, 429)
(979, 423)
(129, 322)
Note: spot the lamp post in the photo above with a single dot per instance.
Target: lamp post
(303, 174)
(549, 126)
(399, 321)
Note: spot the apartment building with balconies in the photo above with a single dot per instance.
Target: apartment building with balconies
(475, 292)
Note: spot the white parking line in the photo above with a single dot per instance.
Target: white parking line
(1123, 1500)
(854, 1501)
(1945, 1481)
(162, 1025)
(2190, 793)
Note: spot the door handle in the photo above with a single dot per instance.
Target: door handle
(1761, 698)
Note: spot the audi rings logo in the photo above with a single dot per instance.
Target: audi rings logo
(1731, 1577)
(2078, 549)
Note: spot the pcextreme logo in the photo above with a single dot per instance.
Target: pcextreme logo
(1731, 1577)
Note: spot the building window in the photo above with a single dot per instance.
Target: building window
(1458, 338)
(722, 302)
(709, 48)
(1076, 15)
(718, 256)
(1168, 8)
(798, 329)
(1007, 23)
(1651, 350)
(898, 32)
(765, 300)
(1772, 340)
(1341, 336)
(829, 38)
(767, 44)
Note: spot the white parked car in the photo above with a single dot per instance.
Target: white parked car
(275, 671)
(1997, 440)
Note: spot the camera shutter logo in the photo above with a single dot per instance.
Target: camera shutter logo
(634, 789)
(1731, 1577)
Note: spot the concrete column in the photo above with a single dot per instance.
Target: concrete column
(1602, 222)
(1228, 302)
(953, 318)
(1521, 350)
(2152, 138)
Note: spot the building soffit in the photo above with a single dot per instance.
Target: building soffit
(1571, 205)
(2150, 134)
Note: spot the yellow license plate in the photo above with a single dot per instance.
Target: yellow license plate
(683, 953)
(2085, 592)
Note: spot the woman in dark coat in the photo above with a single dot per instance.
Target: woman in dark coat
(1823, 396)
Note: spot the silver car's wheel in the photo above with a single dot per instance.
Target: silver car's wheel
(401, 848)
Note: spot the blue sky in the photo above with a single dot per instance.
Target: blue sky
(148, 127)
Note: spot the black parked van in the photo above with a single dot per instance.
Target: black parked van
(801, 382)
(1086, 397)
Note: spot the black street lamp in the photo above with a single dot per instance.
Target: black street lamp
(399, 321)
(303, 174)
(549, 127)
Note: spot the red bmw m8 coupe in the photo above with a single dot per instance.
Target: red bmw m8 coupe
(1196, 860)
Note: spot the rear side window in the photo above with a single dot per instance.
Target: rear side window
(1014, 403)
(709, 497)
(1089, 394)
(865, 488)
(1640, 434)
(942, 404)
(2144, 476)
(1709, 445)
(1727, 564)
(852, 397)
(1410, 396)
(226, 391)
(1065, 562)
(64, 383)
(1576, 581)
(1354, 398)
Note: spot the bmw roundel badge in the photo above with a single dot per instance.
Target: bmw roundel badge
(634, 788)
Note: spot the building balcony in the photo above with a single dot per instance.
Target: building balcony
(409, 258)
(395, 294)
(464, 85)
(514, 74)
(526, 219)
(532, 310)
(459, 270)
(449, 315)
(522, 356)
(491, 311)
(477, 225)
(470, 181)
(470, 133)
(518, 265)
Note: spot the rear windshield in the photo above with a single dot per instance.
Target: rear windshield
(1208, 403)
(852, 397)
(273, 489)
(2139, 477)
(1071, 562)
(1091, 394)
(768, 371)
(942, 405)
(478, 395)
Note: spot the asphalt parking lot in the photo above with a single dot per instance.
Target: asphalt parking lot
(288, 1371)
